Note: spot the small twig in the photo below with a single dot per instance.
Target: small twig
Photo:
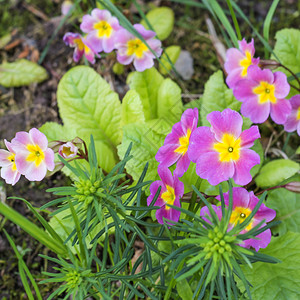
(269, 189)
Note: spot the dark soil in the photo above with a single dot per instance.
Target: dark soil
(31, 25)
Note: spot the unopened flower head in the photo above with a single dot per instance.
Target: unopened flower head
(222, 151)
(177, 142)
(68, 150)
(66, 6)
(130, 48)
(33, 157)
(238, 61)
(101, 28)
(171, 191)
(9, 170)
(293, 120)
(75, 40)
(262, 94)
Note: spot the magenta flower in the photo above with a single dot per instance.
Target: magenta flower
(222, 151)
(238, 61)
(9, 170)
(243, 204)
(33, 157)
(131, 48)
(171, 190)
(262, 93)
(293, 120)
(68, 150)
(101, 29)
(75, 40)
(177, 142)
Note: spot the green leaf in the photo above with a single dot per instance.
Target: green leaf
(55, 131)
(184, 290)
(169, 104)
(287, 48)
(275, 172)
(146, 84)
(287, 206)
(217, 96)
(21, 72)
(161, 20)
(132, 109)
(87, 104)
(276, 281)
(171, 52)
(145, 144)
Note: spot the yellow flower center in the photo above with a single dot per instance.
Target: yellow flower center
(79, 43)
(229, 148)
(11, 158)
(67, 151)
(136, 47)
(245, 63)
(239, 215)
(298, 114)
(36, 154)
(265, 92)
(103, 28)
(184, 143)
(168, 196)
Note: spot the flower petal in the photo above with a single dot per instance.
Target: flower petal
(257, 113)
(280, 111)
(248, 136)
(282, 88)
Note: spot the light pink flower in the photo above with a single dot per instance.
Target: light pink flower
(130, 48)
(177, 142)
(222, 151)
(263, 93)
(101, 28)
(33, 157)
(238, 61)
(75, 40)
(171, 191)
(68, 150)
(66, 6)
(9, 170)
(293, 120)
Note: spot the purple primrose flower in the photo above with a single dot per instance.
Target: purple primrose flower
(293, 120)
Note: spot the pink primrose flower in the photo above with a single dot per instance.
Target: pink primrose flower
(243, 204)
(68, 150)
(222, 151)
(66, 6)
(33, 157)
(238, 61)
(101, 28)
(262, 93)
(177, 142)
(293, 120)
(171, 190)
(9, 171)
(81, 45)
(131, 48)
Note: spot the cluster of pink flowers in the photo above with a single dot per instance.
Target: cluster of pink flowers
(103, 33)
(261, 91)
(28, 154)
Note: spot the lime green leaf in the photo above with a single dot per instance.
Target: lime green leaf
(146, 84)
(146, 143)
(87, 104)
(172, 53)
(169, 104)
(276, 281)
(217, 96)
(55, 131)
(184, 290)
(161, 20)
(298, 150)
(287, 206)
(21, 72)
(287, 48)
(275, 172)
(161, 126)
(260, 151)
(132, 108)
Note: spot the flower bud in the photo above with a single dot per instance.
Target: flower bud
(293, 186)
(54, 145)
(65, 7)
(77, 142)
(68, 150)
